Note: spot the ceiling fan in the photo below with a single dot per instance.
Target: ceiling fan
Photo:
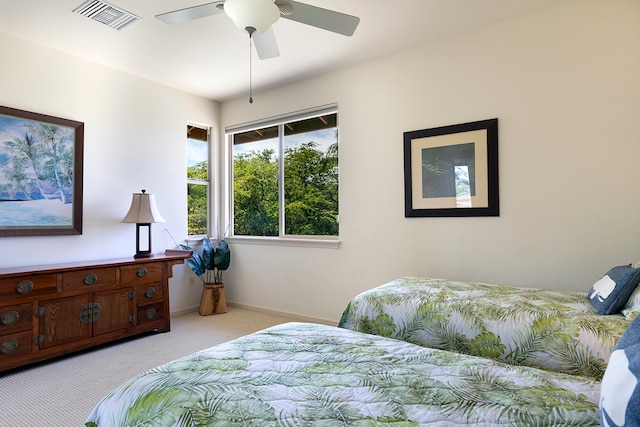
(257, 16)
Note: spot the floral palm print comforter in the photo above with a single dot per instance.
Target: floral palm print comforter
(303, 374)
(554, 330)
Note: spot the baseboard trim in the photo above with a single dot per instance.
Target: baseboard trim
(292, 316)
(184, 311)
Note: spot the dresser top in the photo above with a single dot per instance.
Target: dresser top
(169, 255)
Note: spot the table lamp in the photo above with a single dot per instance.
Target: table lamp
(143, 212)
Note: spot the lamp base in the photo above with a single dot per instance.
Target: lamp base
(143, 241)
(143, 255)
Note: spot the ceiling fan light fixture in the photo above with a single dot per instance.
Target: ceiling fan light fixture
(253, 16)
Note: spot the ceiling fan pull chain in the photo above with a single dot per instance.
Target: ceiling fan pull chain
(250, 68)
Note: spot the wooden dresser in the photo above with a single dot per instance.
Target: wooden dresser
(52, 310)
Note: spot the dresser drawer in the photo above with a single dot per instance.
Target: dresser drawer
(150, 313)
(149, 294)
(16, 318)
(82, 279)
(27, 286)
(14, 345)
(139, 274)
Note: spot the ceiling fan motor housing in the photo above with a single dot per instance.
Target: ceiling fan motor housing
(253, 16)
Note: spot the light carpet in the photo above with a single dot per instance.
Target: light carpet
(62, 392)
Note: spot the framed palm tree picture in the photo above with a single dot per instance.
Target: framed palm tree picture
(40, 174)
(452, 170)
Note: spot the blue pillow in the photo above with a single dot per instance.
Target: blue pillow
(620, 387)
(609, 294)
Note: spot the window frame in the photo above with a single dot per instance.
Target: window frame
(207, 183)
(282, 238)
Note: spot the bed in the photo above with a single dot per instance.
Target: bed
(302, 374)
(554, 330)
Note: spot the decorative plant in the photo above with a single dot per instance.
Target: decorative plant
(213, 261)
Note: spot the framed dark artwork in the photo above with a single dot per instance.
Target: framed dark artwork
(40, 174)
(452, 171)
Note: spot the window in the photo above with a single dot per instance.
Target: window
(285, 176)
(197, 180)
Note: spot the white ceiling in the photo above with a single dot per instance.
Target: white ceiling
(210, 56)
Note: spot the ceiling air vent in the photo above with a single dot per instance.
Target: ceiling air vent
(106, 14)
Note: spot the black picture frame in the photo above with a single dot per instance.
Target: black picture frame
(41, 170)
(452, 171)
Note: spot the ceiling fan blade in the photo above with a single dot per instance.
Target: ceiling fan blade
(318, 17)
(191, 13)
(266, 44)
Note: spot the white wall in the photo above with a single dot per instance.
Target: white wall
(564, 84)
(134, 138)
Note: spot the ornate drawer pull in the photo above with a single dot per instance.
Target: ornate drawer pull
(142, 271)
(25, 287)
(151, 313)
(150, 292)
(10, 318)
(90, 313)
(9, 346)
(90, 279)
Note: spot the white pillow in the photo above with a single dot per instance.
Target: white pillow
(632, 308)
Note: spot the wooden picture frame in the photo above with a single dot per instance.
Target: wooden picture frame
(452, 171)
(40, 174)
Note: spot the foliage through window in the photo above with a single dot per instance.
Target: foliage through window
(285, 178)
(197, 181)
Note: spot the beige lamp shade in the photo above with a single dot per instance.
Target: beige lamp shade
(143, 209)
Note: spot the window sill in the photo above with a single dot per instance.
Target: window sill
(194, 240)
(285, 241)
